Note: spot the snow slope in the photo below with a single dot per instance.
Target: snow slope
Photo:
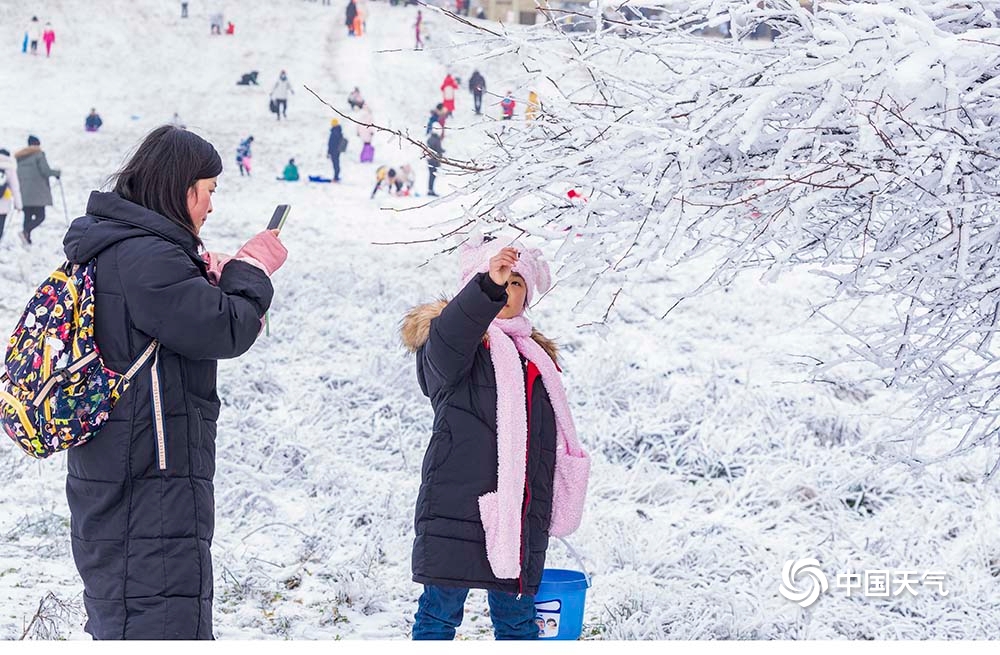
(714, 462)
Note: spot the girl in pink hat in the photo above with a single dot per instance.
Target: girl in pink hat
(504, 470)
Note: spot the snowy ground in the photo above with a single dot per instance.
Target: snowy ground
(714, 461)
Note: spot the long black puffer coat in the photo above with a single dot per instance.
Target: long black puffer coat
(455, 371)
(143, 512)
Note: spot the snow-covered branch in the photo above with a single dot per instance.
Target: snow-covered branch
(861, 142)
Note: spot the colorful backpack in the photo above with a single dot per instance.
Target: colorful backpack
(55, 392)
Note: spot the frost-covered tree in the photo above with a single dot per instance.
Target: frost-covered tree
(858, 139)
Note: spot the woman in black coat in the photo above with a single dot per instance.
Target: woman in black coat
(487, 502)
(141, 493)
(350, 14)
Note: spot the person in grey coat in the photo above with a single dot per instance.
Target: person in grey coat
(33, 172)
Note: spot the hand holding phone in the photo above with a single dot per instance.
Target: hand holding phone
(264, 249)
(278, 217)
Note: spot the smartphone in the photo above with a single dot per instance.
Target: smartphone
(278, 217)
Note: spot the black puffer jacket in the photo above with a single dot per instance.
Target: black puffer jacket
(455, 371)
(142, 512)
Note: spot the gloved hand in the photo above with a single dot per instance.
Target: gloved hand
(266, 249)
(215, 262)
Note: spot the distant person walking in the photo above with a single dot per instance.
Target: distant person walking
(33, 172)
(49, 36)
(33, 34)
(433, 162)
(477, 85)
(184, 10)
(244, 158)
(448, 88)
(350, 14)
(417, 26)
(280, 94)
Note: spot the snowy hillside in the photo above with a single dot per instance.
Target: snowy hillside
(715, 461)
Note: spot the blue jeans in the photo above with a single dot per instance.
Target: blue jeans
(439, 612)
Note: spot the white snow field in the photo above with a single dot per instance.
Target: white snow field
(715, 460)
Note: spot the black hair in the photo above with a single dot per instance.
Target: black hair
(167, 163)
(4, 151)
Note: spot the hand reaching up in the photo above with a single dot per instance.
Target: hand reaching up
(501, 265)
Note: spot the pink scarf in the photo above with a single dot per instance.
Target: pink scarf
(500, 510)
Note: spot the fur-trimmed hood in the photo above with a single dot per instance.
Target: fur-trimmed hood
(27, 151)
(417, 327)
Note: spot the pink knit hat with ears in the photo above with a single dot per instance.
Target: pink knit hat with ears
(475, 254)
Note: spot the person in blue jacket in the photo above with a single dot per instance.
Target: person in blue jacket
(93, 122)
(334, 146)
(141, 492)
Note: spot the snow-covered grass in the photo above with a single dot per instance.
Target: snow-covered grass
(715, 459)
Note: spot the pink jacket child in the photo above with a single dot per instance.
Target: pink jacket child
(448, 88)
(522, 492)
(49, 36)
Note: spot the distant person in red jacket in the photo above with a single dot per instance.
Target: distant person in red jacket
(49, 36)
(507, 105)
(448, 88)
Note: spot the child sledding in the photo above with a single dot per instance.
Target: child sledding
(248, 79)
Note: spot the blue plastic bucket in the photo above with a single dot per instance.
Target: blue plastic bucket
(559, 604)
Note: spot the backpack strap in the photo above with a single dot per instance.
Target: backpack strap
(141, 360)
(158, 425)
(70, 371)
(61, 376)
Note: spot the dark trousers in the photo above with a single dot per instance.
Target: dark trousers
(336, 166)
(477, 99)
(282, 107)
(431, 174)
(3, 221)
(439, 612)
(33, 217)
